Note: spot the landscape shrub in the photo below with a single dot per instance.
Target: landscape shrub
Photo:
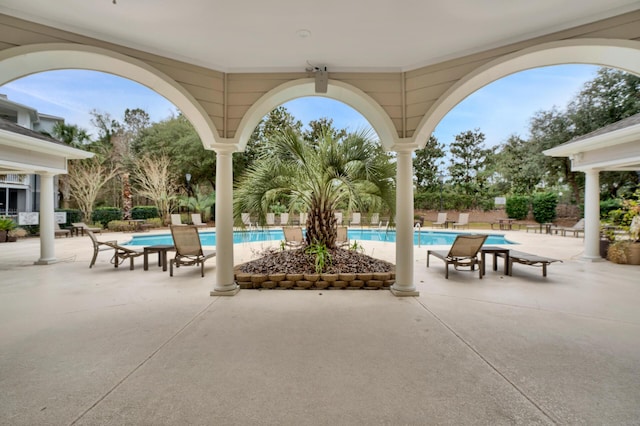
(607, 206)
(517, 207)
(144, 212)
(155, 222)
(104, 215)
(544, 206)
(121, 226)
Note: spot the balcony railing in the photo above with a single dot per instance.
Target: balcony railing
(15, 178)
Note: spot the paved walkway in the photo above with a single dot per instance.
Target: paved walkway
(112, 346)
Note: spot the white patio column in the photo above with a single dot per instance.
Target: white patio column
(225, 284)
(592, 216)
(47, 234)
(404, 285)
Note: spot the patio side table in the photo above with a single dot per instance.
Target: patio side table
(162, 250)
(496, 251)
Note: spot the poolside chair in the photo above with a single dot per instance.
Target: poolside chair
(176, 219)
(293, 237)
(463, 253)
(356, 219)
(59, 232)
(188, 248)
(375, 219)
(441, 221)
(575, 229)
(246, 220)
(196, 219)
(81, 226)
(271, 219)
(529, 259)
(121, 253)
(463, 220)
(342, 238)
(338, 218)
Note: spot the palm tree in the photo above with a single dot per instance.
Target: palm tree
(317, 176)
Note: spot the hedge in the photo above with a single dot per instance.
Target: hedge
(104, 215)
(144, 212)
(544, 207)
(517, 207)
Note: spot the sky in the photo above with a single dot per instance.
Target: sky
(500, 109)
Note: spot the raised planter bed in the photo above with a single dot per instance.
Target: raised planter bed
(364, 281)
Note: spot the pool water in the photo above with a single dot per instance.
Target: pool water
(424, 238)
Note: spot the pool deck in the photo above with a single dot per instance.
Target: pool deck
(113, 346)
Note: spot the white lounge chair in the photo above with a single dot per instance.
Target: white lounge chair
(246, 220)
(441, 221)
(375, 219)
(196, 219)
(463, 221)
(356, 219)
(176, 219)
(338, 218)
(271, 219)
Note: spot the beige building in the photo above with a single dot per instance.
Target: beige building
(21, 192)
(402, 65)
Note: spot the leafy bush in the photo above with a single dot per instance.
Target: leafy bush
(121, 226)
(607, 206)
(322, 256)
(155, 222)
(104, 215)
(517, 207)
(544, 206)
(487, 204)
(73, 216)
(7, 224)
(144, 212)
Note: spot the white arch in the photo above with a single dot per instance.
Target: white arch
(621, 54)
(352, 96)
(21, 61)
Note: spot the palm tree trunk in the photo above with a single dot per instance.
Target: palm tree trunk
(321, 226)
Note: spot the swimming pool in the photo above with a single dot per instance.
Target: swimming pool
(423, 238)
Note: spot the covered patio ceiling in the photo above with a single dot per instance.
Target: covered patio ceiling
(290, 35)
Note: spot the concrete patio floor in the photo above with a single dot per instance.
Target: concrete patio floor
(113, 346)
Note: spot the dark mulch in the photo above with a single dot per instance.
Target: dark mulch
(298, 262)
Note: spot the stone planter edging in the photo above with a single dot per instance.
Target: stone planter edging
(350, 281)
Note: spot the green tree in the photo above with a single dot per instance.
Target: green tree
(427, 163)
(549, 129)
(278, 119)
(520, 164)
(317, 175)
(321, 128)
(611, 96)
(468, 165)
(71, 135)
(76, 137)
(177, 138)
